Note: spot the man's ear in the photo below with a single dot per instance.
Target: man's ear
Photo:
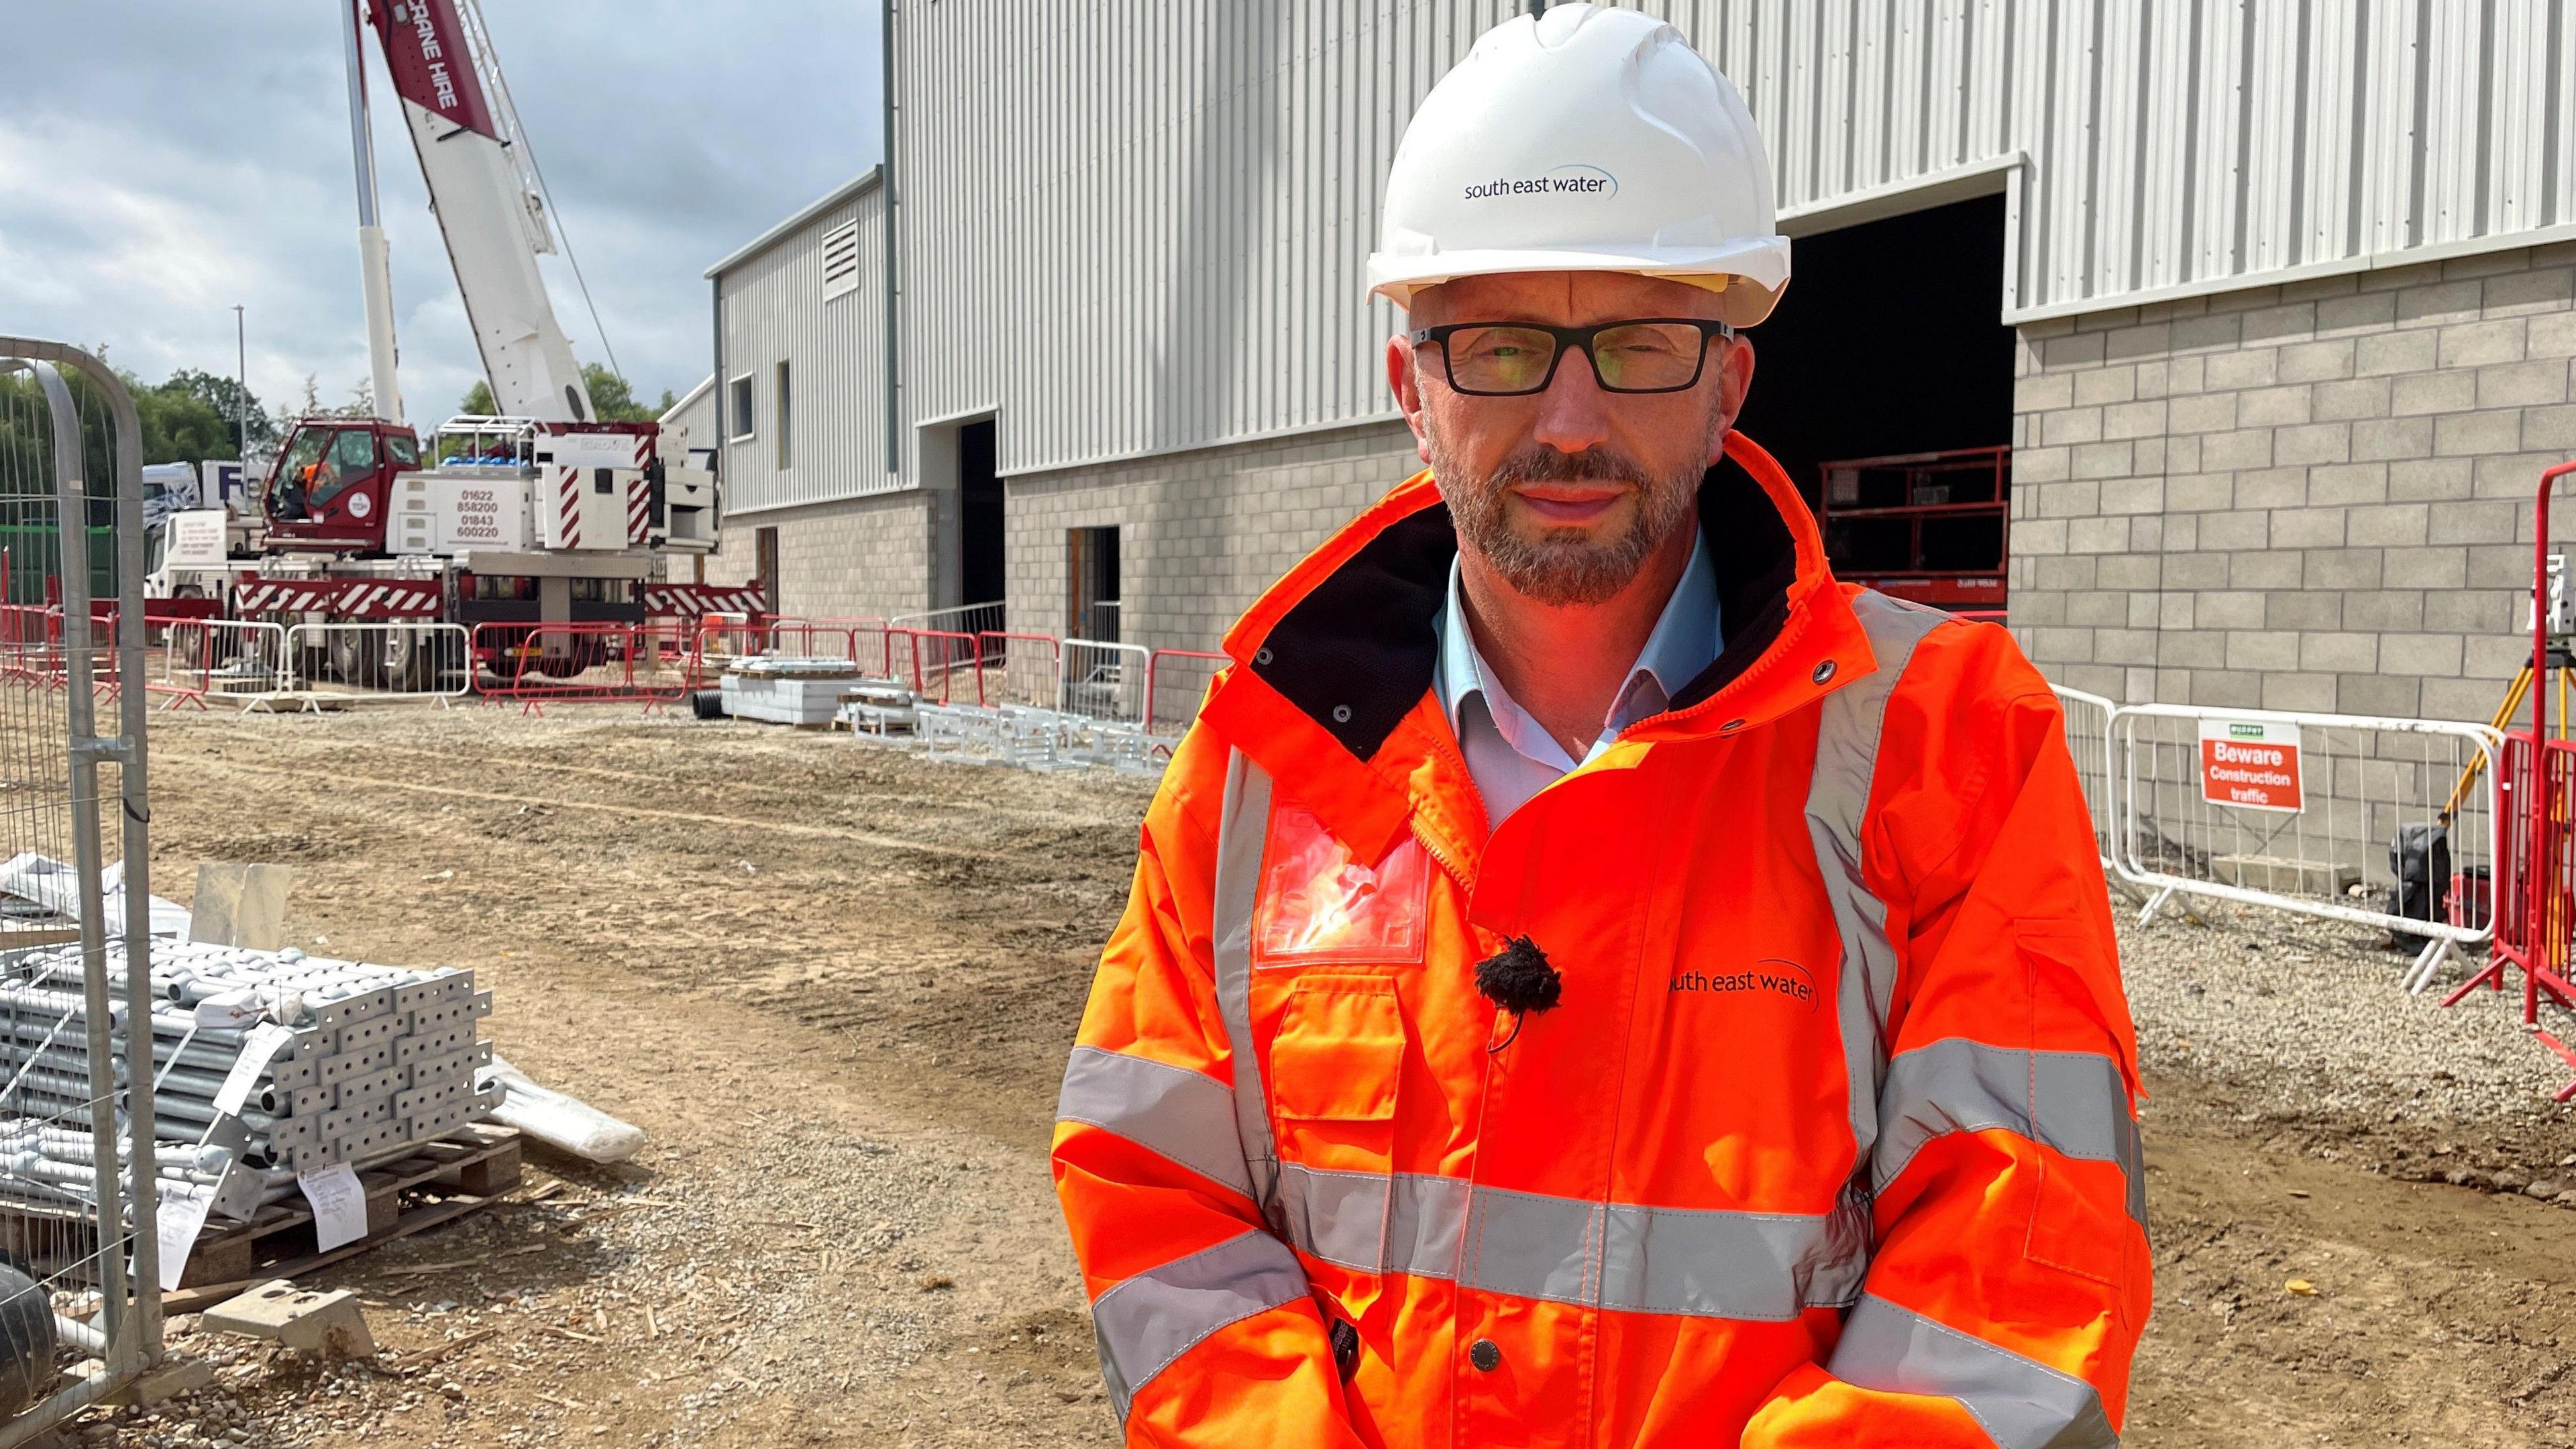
(1734, 384)
(1401, 381)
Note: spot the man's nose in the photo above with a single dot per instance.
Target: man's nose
(1573, 413)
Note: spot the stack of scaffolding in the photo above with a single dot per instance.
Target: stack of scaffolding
(270, 1062)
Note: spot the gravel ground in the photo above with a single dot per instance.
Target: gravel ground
(2305, 1014)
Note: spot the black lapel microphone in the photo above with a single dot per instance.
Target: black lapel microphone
(1518, 980)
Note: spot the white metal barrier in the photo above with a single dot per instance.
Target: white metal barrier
(2304, 812)
(1104, 681)
(219, 658)
(2088, 739)
(380, 661)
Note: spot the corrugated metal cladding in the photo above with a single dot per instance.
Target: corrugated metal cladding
(772, 308)
(1130, 226)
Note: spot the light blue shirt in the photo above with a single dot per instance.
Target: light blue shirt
(1510, 756)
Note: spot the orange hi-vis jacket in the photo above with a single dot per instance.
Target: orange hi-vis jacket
(1829, 1139)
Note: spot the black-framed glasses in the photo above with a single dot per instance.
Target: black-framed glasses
(1513, 359)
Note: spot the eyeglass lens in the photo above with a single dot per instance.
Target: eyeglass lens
(1638, 357)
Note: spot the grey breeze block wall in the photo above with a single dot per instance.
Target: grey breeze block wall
(1200, 534)
(2315, 496)
(860, 558)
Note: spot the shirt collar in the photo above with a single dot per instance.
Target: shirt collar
(1684, 641)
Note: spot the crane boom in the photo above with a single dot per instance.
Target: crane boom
(491, 218)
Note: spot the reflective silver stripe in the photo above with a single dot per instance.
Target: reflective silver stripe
(2021, 1404)
(1182, 1115)
(2075, 1102)
(1374, 1222)
(1634, 1259)
(1145, 1323)
(1837, 797)
(1242, 832)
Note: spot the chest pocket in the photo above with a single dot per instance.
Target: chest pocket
(1335, 1068)
(1321, 904)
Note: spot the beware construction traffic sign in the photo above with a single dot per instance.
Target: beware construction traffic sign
(2250, 764)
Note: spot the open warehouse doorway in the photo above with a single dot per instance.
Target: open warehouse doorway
(1884, 385)
(983, 560)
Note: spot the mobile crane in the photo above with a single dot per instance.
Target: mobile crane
(538, 514)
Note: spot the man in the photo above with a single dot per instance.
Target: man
(1591, 978)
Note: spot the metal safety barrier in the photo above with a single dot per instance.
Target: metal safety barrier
(221, 658)
(1020, 669)
(2088, 739)
(861, 641)
(1176, 682)
(85, 1234)
(376, 662)
(969, 619)
(938, 665)
(2314, 813)
(652, 664)
(1105, 681)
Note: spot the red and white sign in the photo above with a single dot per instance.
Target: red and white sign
(2251, 764)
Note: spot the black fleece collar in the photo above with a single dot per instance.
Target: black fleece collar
(1360, 650)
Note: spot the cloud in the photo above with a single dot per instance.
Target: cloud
(161, 163)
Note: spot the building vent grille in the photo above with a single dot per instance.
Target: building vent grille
(841, 261)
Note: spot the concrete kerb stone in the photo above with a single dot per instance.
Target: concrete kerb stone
(299, 1318)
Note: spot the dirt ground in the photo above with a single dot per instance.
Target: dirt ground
(836, 983)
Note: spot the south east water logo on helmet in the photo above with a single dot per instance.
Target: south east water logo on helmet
(1569, 180)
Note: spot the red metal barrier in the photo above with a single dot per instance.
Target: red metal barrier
(31, 645)
(861, 641)
(2536, 874)
(929, 661)
(652, 664)
(1019, 669)
(1176, 680)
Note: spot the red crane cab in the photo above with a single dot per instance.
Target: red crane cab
(330, 485)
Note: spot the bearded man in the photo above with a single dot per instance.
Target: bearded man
(1591, 977)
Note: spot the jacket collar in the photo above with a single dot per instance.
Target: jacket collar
(1332, 686)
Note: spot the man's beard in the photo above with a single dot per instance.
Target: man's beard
(1560, 566)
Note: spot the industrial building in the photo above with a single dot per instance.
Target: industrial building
(2261, 310)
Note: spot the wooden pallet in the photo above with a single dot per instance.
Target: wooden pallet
(440, 1181)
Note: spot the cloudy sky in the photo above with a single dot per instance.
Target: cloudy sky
(161, 161)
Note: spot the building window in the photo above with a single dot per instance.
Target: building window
(765, 559)
(1091, 576)
(841, 261)
(785, 458)
(738, 413)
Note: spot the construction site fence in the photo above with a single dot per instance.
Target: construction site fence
(2339, 795)
(652, 663)
(79, 1182)
(406, 660)
(1020, 669)
(2535, 928)
(2088, 739)
(941, 666)
(970, 619)
(228, 659)
(1106, 681)
(1176, 681)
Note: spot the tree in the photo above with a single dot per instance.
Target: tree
(233, 401)
(179, 426)
(612, 400)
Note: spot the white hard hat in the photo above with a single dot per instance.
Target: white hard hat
(1587, 138)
